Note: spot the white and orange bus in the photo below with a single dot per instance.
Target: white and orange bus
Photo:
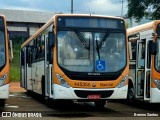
(4, 62)
(144, 49)
(77, 57)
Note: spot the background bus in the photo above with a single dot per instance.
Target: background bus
(144, 46)
(77, 57)
(4, 62)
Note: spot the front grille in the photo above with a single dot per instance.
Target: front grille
(85, 93)
(92, 77)
(85, 76)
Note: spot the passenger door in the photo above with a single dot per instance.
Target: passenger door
(140, 69)
(143, 69)
(147, 83)
(48, 64)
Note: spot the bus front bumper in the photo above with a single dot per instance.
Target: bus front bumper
(4, 91)
(60, 92)
(155, 95)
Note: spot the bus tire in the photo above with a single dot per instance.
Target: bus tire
(100, 103)
(131, 94)
(49, 102)
(2, 103)
(29, 92)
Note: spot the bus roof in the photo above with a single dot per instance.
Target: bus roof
(91, 15)
(52, 20)
(143, 27)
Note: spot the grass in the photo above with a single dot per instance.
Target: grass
(14, 73)
(15, 64)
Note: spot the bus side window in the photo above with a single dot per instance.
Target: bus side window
(38, 43)
(30, 54)
(133, 49)
(42, 47)
(30, 59)
(36, 50)
(27, 54)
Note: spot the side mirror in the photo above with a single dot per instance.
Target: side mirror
(158, 52)
(10, 50)
(51, 40)
(158, 46)
(154, 48)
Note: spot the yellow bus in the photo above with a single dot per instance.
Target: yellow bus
(144, 49)
(4, 62)
(77, 57)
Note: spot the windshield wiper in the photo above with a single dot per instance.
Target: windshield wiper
(83, 41)
(98, 46)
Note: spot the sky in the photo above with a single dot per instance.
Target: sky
(102, 7)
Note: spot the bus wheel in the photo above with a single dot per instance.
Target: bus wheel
(49, 102)
(130, 95)
(29, 92)
(100, 103)
(2, 103)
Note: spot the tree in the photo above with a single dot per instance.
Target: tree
(140, 8)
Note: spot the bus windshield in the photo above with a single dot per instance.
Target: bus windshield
(2, 43)
(91, 51)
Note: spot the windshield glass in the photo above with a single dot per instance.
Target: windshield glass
(2, 43)
(80, 51)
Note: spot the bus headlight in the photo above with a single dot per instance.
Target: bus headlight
(157, 83)
(62, 81)
(2, 79)
(122, 83)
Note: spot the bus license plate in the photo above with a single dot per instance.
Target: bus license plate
(94, 96)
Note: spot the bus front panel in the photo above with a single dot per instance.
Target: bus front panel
(90, 58)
